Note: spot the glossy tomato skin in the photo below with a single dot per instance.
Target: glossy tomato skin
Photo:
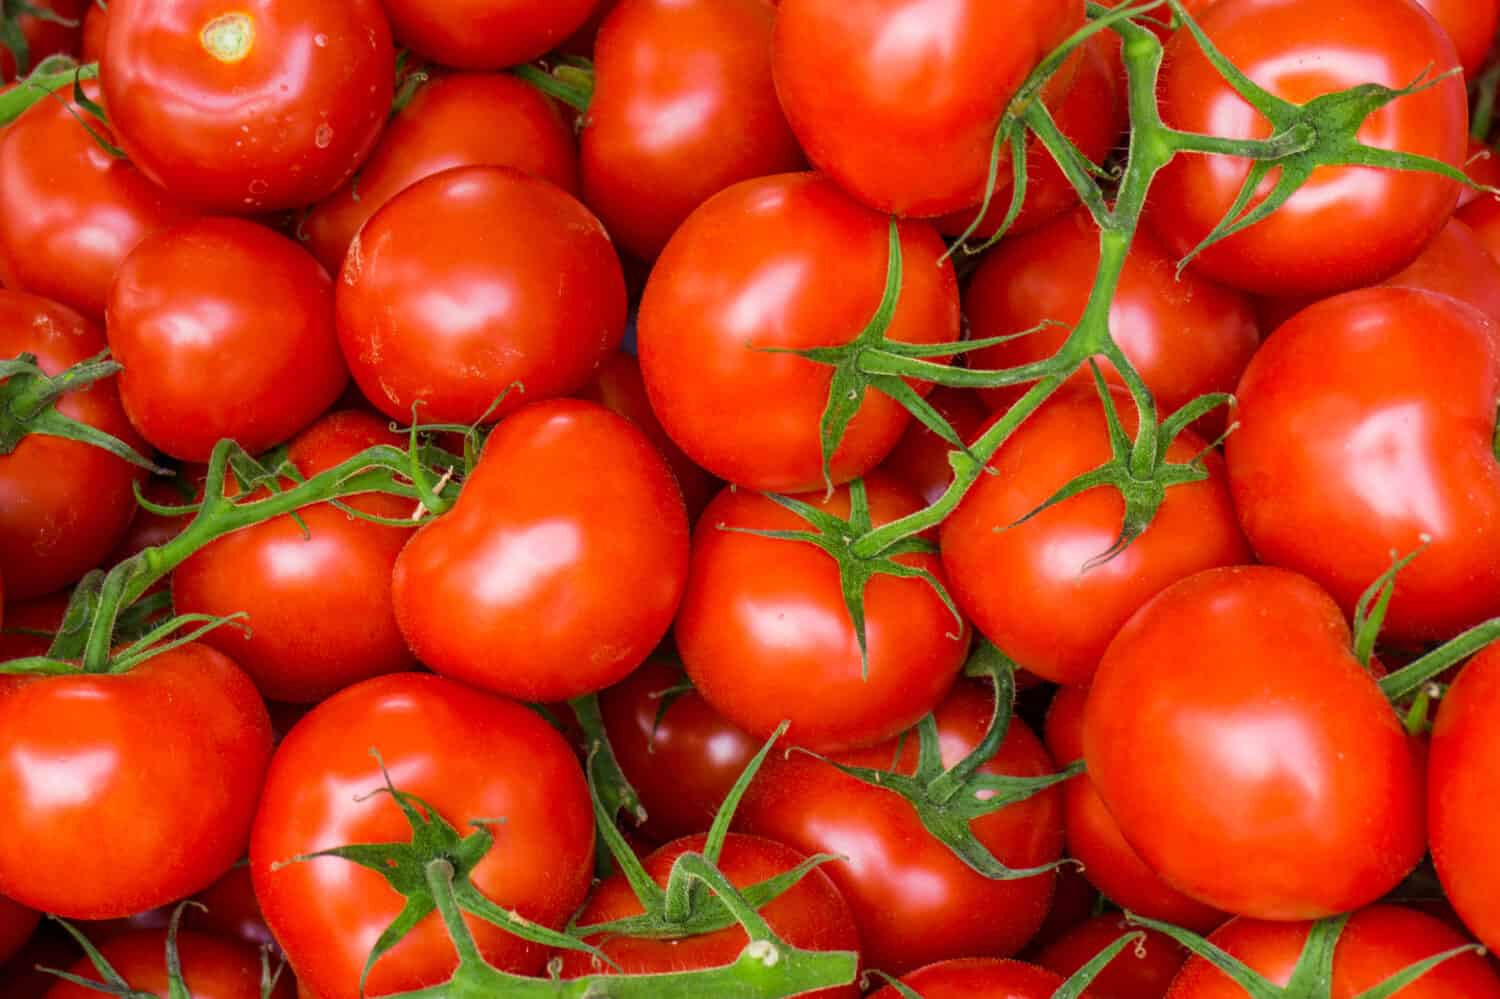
(70, 211)
(212, 967)
(95, 30)
(204, 356)
(470, 281)
(1143, 970)
(1349, 226)
(908, 123)
(765, 635)
(257, 108)
(455, 119)
(470, 755)
(1306, 800)
(1030, 587)
(683, 107)
(168, 756)
(1358, 438)
(1471, 25)
(17, 923)
(810, 915)
(914, 900)
(559, 568)
(1378, 942)
(63, 504)
(968, 978)
(781, 262)
(485, 34)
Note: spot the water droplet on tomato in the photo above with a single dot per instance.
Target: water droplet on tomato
(259, 187)
(323, 136)
(320, 40)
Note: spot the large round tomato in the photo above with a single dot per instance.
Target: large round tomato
(212, 968)
(251, 107)
(485, 34)
(968, 978)
(1142, 970)
(1247, 755)
(168, 757)
(1348, 226)
(471, 756)
(781, 262)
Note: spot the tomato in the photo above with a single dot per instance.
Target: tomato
(920, 459)
(63, 504)
(258, 107)
(1377, 943)
(908, 122)
(95, 32)
(1258, 768)
(1357, 439)
(204, 357)
(485, 34)
(30, 624)
(212, 968)
(1471, 25)
(1482, 166)
(1142, 970)
(810, 915)
(1483, 216)
(149, 529)
(1348, 226)
(1073, 903)
(17, 923)
(1030, 587)
(781, 262)
(227, 909)
(70, 211)
(968, 978)
(458, 119)
(168, 757)
(468, 754)
(470, 281)
(45, 36)
(681, 756)
(915, 901)
(559, 568)
(683, 107)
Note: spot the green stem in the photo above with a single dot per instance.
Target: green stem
(573, 85)
(1408, 680)
(37, 86)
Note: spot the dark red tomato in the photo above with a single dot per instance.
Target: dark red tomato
(70, 211)
(914, 900)
(1482, 166)
(470, 281)
(978, 978)
(257, 107)
(1349, 226)
(1142, 970)
(1378, 942)
(212, 968)
(559, 568)
(781, 262)
(1247, 755)
(1186, 337)
(17, 923)
(318, 592)
(766, 636)
(95, 33)
(811, 915)
(44, 36)
(680, 755)
(1072, 903)
(459, 119)
(168, 757)
(920, 460)
(1358, 438)
(227, 909)
(683, 107)
(204, 356)
(908, 122)
(1030, 587)
(1483, 216)
(471, 756)
(30, 624)
(485, 34)
(63, 504)
(1471, 25)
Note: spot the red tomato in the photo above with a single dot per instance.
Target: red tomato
(545, 582)
(920, 460)
(1471, 25)
(1358, 438)
(17, 923)
(1483, 216)
(971, 978)
(1258, 767)
(785, 262)
(1072, 903)
(1348, 226)
(1377, 943)
(168, 757)
(63, 504)
(212, 968)
(470, 281)
(95, 32)
(908, 122)
(204, 357)
(1030, 587)
(468, 754)
(810, 915)
(229, 911)
(1142, 970)
(1483, 168)
(485, 34)
(459, 119)
(30, 624)
(259, 107)
(913, 899)
(683, 107)
(44, 36)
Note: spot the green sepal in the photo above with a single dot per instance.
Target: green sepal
(28, 405)
(1370, 611)
(114, 984)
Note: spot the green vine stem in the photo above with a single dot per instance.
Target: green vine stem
(570, 81)
(46, 79)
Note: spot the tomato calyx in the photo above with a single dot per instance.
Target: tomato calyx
(570, 80)
(28, 405)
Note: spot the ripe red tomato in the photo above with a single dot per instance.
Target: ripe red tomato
(781, 262)
(1357, 438)
(920, 459)
(254, 108)
(1348, 226)
(1142, 970)
(1258, 767)
(95, 31)
(471, 756)
(212, 967)
(546, 581)
(17, 923)
(968, 978)
(1471, 25)
(45, 36)
(470, 281)
(26, 622)
(168, 757)
(457, 119)
(485, 34)
(204, 357)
